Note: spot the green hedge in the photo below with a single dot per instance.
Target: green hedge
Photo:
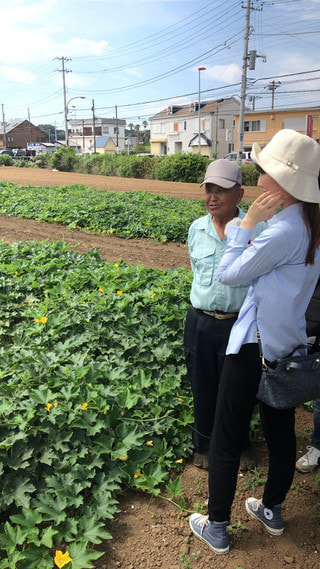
(183, 167)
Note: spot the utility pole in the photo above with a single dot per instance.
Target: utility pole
(244, 79)
(251, 58)
(117, 129)
(4, 128)
(94, 127)
(64, 71)
(272, 87)
(30, 130)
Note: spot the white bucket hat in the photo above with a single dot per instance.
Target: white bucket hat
(293, 160)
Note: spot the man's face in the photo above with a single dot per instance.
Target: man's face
(221, 202)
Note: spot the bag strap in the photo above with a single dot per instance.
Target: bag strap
(264, 361)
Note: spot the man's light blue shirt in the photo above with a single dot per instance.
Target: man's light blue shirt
(206, 251)
(281, 283)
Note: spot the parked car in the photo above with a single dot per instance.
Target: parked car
(21, 153)
(6, 151)
(245, 157)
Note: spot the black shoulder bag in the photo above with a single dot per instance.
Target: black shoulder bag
(290, 381)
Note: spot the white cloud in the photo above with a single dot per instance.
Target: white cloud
(16, 75)
(133, 71)
(80, 47)
(225, 73)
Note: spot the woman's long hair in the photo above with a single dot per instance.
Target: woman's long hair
(311, 217)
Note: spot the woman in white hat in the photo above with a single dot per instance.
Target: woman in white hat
(283, 265)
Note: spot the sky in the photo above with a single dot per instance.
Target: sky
(139, 56)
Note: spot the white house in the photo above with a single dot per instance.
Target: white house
(176, 128)
(82, 135)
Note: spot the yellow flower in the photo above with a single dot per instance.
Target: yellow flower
(123, 458)
(137, 474)
(179, 461)
(120, 292)
(54, 219)
(84, 406)
(164, 240)
(153, 295)
(116, 265)
(101, 289)
(16, 273)
(62, 559)
(150, 443)
(48, 407)
(42, 320)
(55, 404)
(179, 399)
(69, 287)
(144, 487)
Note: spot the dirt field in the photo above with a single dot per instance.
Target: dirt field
(153, 533)
(151, 254)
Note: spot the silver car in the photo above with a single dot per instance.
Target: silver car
(245, 157)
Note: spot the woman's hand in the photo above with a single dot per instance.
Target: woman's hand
(263, 208)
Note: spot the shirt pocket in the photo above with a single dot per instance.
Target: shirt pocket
(203, 265)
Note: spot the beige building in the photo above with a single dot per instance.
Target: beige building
(260, 126)
(176, 128)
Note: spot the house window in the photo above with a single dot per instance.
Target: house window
(98, 131)
(115, 130)
(254, 126)
(175, 127)
(222, 123)
(105, 130)
(87, 131)
(184, 125)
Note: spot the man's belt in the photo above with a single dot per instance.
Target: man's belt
(220, 315)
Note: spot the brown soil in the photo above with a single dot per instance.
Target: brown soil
(151, 533)
(152, 255)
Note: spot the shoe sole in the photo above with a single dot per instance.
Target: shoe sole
(271, 531)
(306, 469)
(215, 549)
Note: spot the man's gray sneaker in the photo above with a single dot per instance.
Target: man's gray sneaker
(269, 517)
(309, 461)
(214, 534)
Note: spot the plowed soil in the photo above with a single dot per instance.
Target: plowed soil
(151, 533)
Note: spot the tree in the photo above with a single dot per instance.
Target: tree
(145, 124)
(137, 129)
(50, 129)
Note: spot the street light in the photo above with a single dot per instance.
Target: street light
(66, 118)
(75, 123)
(199, 114)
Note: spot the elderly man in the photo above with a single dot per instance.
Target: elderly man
(214, 307)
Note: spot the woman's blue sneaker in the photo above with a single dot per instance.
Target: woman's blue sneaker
(269, 517)
(214, 534)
